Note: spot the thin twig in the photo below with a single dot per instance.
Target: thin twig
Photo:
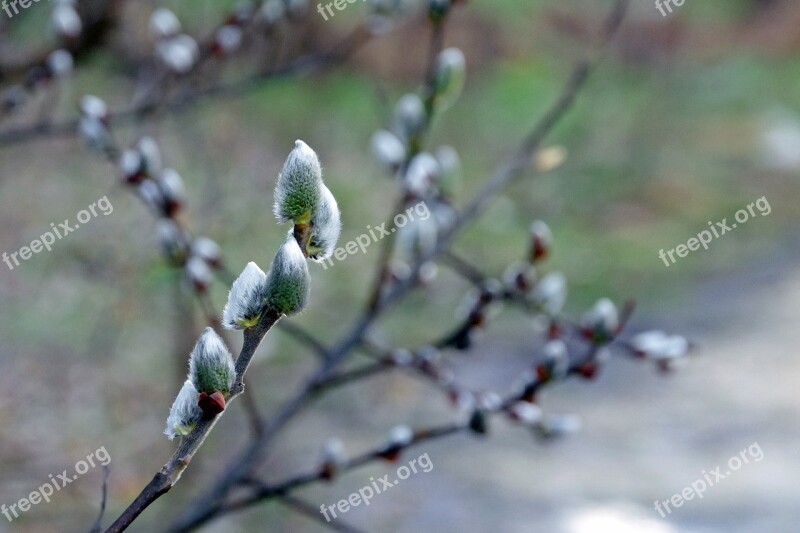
(310, 63)
(98, 525)
(171, 473)
(208, 505)
(310, 511)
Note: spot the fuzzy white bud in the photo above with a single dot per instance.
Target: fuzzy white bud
(450, 75)
(184, 414)
(94, 107)
(66, 21)
(658, 346)
(326, 226)
(228, 38)
(164, 23)
(198, 273)
(95, 134)
(288, 281)
(179, 53)
(422, 172)
(211, 366)
(246, 299)
(60, 63)
(554, 426)
(388, 149)
(550, 293)
(151, 195)
(333, 454)
(526, 413)
(130, 165)
(299, 186)
(602, 319)
(541, 240)
(409, 116)
(400, 436)
(151, 154)
(172, 186)
(207, 250)
(556, 359)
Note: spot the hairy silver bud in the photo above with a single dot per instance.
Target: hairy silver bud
(198, 273)
(299, 186)
(451, 68)
(184, 414)
(164, 23)
(211, 367)
(326, 226)
(60, 63)
(93, 107)
(288, 281)
(388, 149)
(246, 299)
(550, 293)
(66, 21)
(179, 53)
(409, 116)
(151, 155)
(602, 320)
(207, 250)
(400, 436)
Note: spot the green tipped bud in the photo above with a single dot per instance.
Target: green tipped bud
(326, 226)
(211, 367)
(184, 414)
(451, 71)
(288, 280)
(246, 299)
(299, 186)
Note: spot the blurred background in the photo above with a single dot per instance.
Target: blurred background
(688, 119)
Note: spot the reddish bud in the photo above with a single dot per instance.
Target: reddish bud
(541, 241)
(589, 370)
(542, 373)
(211, 404)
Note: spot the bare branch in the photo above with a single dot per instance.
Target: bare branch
(171, 473)
(312, 512)
(98, 525)
(242, 467)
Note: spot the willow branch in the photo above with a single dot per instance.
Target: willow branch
(207, 506)
(385, 254)
(307, 64)
(514, 167)
(172, 471)
(312, 512)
